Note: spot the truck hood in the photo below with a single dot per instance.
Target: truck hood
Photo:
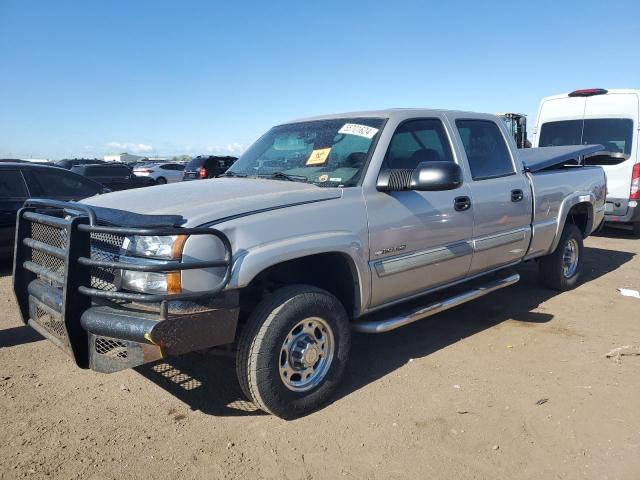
(211, 201)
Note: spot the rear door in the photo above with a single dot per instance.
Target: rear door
(500, 195)
(612, 120)
(13, 193)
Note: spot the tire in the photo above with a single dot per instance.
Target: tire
(266, 367)
(161, 181)
(636, 229)
(555, 273)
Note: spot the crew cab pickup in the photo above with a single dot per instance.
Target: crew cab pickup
(323, 226)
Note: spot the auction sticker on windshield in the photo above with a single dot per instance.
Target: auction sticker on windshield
(357, 129)
(318, 157)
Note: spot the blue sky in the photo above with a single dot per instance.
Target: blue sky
(86, 78)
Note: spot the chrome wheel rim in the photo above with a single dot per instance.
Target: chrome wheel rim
(570, 258)
(306, 354)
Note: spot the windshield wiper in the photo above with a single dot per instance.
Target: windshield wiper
(284, 176)
(233, 174)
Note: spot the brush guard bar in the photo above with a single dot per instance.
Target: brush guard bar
(60, 288)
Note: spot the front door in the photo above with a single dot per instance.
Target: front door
(500, 195)
(418, 240)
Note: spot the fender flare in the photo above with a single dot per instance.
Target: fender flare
(567, 204)
(249, 263)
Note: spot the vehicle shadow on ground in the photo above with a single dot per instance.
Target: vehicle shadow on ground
(619, 232)
(207, 382)
(10, 337)
(6, 268)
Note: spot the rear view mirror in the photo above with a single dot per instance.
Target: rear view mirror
(427, 176)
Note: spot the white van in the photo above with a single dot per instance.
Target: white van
(607, 117)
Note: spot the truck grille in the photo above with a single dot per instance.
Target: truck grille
(105, 247)
(56, 237)
(51, 323)
(111, 347)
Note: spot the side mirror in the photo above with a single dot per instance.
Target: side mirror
(427, 176)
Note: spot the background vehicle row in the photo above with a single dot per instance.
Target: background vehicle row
(21, 181)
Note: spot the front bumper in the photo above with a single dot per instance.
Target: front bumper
(622, 210)
(61, 288)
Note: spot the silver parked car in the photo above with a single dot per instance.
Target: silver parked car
(317, 229)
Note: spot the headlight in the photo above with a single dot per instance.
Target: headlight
(164, 247)
(151, 282)
(147, 249)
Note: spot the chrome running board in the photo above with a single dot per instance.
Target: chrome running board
(388, 324)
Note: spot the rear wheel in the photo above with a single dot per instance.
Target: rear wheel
(561, 269)
(161, 180)
(293, 350)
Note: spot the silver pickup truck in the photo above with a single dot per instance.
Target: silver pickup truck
(325, 225)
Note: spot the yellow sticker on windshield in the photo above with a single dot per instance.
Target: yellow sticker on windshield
(318, 157)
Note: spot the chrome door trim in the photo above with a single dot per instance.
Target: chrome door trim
(422, 258)
(499, 240)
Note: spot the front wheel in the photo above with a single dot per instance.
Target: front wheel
(293, 350)
(561, 269)
(636, 229)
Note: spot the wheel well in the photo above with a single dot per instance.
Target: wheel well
(581, 215)
(334, 272)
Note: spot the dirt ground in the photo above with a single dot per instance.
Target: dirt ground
(515, 385)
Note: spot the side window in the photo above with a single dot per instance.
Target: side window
(486, 149)
(59, 183)
(418, 141)
(12, 185)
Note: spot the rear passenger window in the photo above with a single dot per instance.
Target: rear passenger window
(12, 185)
(55, 182)
(418, 141)
(486, 149)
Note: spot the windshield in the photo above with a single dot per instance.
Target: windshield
(615, 134)
(328, 153)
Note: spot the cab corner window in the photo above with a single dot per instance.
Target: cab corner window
(418, 141)
(486, 149)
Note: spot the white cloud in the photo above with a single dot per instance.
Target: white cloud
(130, 147)
(230, 148)
(234, 148)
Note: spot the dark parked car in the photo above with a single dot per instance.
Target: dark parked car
(114, 176)
(68, 163)
(20, 181)
(202, 167)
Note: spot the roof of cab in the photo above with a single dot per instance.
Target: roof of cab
(386, 113)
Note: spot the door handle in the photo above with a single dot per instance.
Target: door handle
(462, 203)
(517, 195)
